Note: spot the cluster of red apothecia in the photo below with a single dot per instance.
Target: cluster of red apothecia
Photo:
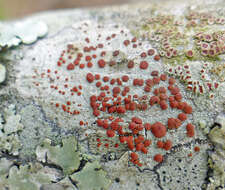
(115, 97)
(121, 102)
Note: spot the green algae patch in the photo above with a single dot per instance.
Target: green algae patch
(66, 156)
(91, 177)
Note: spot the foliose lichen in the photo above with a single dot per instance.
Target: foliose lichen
(66, 156)
(96, 176)
(25, 177)
(10, 127)
(26, 32)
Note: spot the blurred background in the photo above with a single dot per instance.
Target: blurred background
(12, 9)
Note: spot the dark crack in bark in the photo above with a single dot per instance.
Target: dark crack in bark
(73, 182)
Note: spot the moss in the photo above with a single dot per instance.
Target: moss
(92, 177)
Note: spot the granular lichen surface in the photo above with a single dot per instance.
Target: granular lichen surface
(130, 97)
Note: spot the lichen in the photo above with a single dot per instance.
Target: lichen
(25, 177)
(66, 156)
(100, 88)
(64, 184)
(123, 176)
(216, 157)
(91, 177)
(217, 134)
(10, 128)
(27, 32)
(5, 166)
(37, 128)
(2, 73)
(192, 170)
(196, 36)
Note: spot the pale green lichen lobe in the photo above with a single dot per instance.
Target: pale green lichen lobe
(92, 177)
(67, 156)
(26, 32)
